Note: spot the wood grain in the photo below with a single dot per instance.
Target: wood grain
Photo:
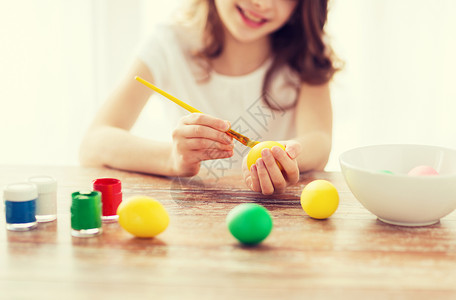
(352, 255)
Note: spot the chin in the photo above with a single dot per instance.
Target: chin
(249, 37)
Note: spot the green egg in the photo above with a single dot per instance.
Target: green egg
(249, 223)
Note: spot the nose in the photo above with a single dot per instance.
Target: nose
(262, 4)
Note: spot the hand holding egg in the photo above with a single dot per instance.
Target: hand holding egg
(270, 166)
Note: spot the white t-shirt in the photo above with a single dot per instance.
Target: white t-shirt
(233, 98)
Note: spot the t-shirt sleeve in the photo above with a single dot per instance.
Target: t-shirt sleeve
(153, 52)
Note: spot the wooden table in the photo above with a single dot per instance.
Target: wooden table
(352, 255)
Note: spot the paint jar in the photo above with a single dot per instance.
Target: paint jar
(86, 214)
(46, 204)
(20, 206)
(111, 197)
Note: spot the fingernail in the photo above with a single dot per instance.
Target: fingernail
(266, 153)
(227, 125)
(276, 150)
(291, 154)
(259, 162)
(227, 139)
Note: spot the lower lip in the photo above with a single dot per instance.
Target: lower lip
(249, 22)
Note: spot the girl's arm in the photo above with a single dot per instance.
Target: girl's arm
(309, 150)
(108, 142)
(314, 127)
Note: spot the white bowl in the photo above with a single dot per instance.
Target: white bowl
(398, 198)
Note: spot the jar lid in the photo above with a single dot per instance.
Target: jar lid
(107, 185)
(21, 191)
(45, 184)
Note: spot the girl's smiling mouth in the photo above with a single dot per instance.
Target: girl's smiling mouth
(250, 18)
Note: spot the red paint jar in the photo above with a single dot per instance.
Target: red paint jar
(111, 196)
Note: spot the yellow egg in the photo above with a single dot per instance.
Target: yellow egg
(143, 216)
(319, 199)
(255, 152)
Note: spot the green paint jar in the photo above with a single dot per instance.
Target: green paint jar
(86, 214)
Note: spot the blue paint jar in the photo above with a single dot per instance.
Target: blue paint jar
(20, 206)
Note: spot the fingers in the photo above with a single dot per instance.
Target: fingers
(267, 187)
(250, 176)
(293, 149)
(267, 177)
(202, 144)
(200, 137)
(206, 120)
(206, 126)
(290, 166)
(277, 180)
(209, 154)
(258, 180)
(245, 169)
(203, 126)
(255, 181)
(203, 132)
(195, 156)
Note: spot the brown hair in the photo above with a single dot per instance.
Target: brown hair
(298, 45)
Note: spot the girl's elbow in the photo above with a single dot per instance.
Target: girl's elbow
(87, 154)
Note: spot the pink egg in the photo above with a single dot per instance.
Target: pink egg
(423, 171)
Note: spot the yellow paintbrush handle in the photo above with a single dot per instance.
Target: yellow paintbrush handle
(170, 97)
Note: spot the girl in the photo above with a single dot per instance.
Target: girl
(261, 64)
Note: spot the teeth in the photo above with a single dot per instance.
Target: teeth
(252, 17)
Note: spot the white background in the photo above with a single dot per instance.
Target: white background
(59, 59)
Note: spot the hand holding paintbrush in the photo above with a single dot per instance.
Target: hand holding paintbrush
(239, 137)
